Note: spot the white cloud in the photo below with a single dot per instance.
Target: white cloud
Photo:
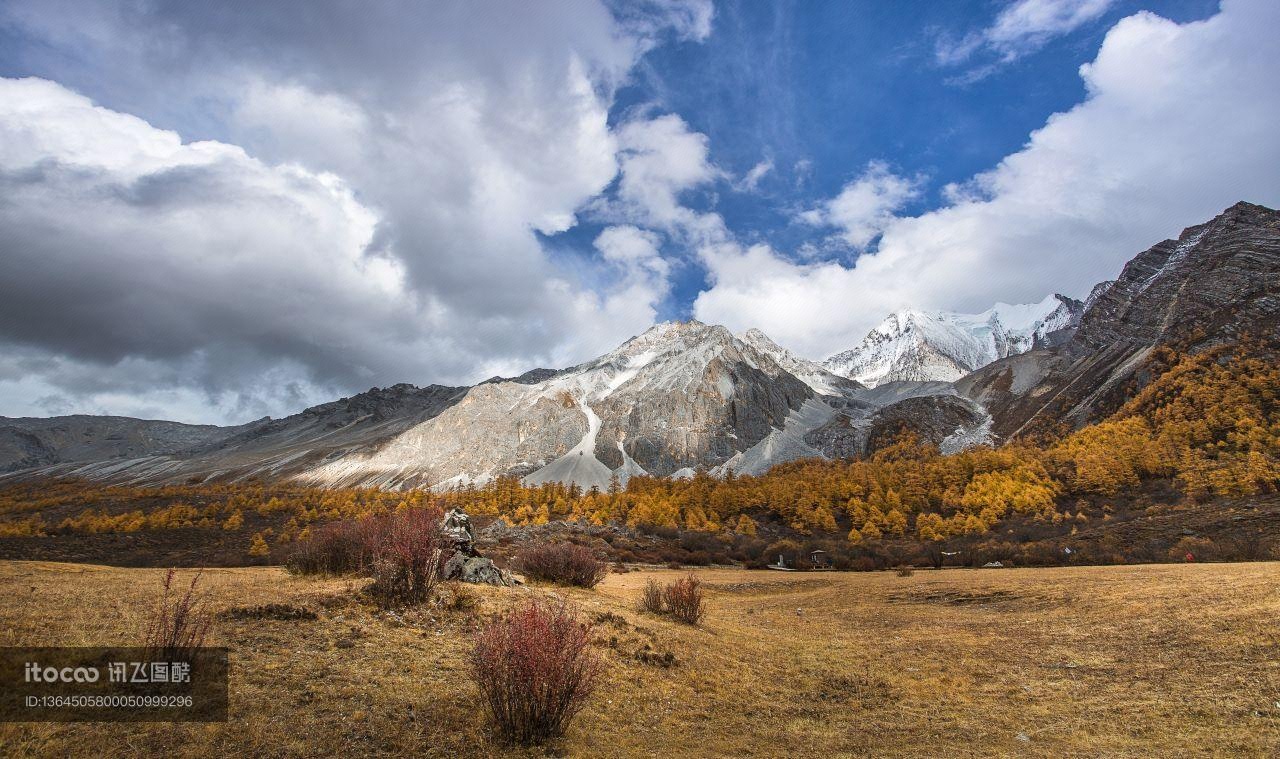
(1022, 27)
(752, 178)
(125, 245)
(1027, 24)
(643, 283)
(688, 19)
(290, 118)
(633, 249)
(659, 159)
(865, 206)
(1177, 125)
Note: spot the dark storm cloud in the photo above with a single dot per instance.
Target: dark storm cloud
(380, 227)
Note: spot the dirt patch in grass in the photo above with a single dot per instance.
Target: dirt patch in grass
(283, 612)
(953, 597)
(976, 597)
(864, 690)
(767, 586)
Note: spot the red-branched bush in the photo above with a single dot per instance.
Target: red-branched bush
(337, 548)
(408, 562)
(651, 599)
(685, 600)
(403, 551)
(535, 669)
(564, 564)
(179, 623)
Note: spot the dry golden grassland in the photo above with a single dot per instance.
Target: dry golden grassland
(1119, 661)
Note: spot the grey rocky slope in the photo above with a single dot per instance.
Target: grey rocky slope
(267, 448)
(33, 442)
(680, 396)
(1214, 284)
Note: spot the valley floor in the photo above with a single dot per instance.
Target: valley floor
(1152, 660)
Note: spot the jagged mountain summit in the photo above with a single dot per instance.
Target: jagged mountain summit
(687, 396)
(922, 346)
(679, 396)
(813, 374)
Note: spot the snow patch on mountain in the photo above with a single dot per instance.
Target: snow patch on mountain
(580, 465)
(781, 445)
(968, 437)
(630, 468)
(1175, 257)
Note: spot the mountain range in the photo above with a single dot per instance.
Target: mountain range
(685, 396)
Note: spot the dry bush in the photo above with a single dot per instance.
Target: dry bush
(462, 599)
(700, 559)
(651, 598)
(1199, 549)
(535, 669)
(339, 547)
(277, 611)
(179, 624)
(685, 600)
(1252, 546)
(403, 551)
(563, 564)
(408, 563)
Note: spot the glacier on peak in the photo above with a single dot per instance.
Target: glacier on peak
(917, 345)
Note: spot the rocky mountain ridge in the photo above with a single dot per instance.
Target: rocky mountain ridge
(1217, 282)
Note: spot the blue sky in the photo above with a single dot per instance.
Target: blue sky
(214, 212)
(817, 90)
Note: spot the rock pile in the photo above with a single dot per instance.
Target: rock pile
(466, 564)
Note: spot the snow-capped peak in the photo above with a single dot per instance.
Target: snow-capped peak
(912, 344)
(1020, 317)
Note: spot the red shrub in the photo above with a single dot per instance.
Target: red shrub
(651, 598)
(179, 623)
(332, 549)
(535, 669)
(410, 556)
(563, 563)
(403, 551)
(685, 600)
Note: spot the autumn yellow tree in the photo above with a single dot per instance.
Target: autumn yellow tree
(258, 545)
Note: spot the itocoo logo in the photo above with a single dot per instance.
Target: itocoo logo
(37, 674)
